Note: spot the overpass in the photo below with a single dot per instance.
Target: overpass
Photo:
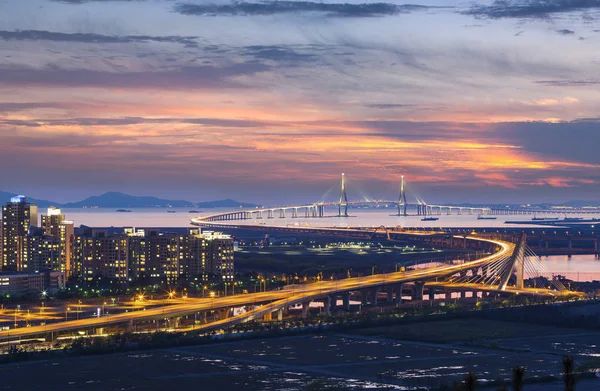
(497, 267)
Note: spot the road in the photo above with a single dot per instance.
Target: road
(275, 299)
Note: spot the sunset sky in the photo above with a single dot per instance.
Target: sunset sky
(270, 102)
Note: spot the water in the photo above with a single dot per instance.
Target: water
(578, 267)
(374, 217)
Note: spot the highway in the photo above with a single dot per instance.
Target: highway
(275, 299)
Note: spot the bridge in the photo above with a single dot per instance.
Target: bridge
(491, 273)
(404, 208)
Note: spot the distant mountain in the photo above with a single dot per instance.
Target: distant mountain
(122, 200)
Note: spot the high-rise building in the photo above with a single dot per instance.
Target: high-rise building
(17, 217)
(99, 254)
(220, 255)
(153, 255)
(54, 224)
(43, 252)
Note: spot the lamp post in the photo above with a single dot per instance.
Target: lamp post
(44, 294)
(78, 309)
(67, 313)
(16, 312)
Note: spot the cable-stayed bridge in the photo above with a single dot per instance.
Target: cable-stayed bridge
(501, 270)
(417, 207)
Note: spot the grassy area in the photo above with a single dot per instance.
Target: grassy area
(460, 330)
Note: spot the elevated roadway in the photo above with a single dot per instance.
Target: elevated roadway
(275, 299)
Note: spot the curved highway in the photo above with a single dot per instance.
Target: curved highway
(275, 299)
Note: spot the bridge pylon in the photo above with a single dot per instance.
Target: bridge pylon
(402, 199)
(343, 203)
(517, 261)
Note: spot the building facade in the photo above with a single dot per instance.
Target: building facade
(18, 216)
(55, 225)
(152, 255)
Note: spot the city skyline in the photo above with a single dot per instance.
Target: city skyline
(470, 102)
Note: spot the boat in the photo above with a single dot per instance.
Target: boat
(171, 211)
(430, 219)
(123, 210)
(573, 219)
(544, 219)
(482, 217)
(194, 211)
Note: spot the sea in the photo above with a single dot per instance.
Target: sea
(576, 267)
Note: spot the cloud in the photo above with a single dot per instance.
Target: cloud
(387, 106)
(277, 53)
(23, 106)
(537, 9)
(568, 83)
(39, 35)
(192, 77)
(93, 1)
(565, 32)
(125, 121)
(287, 7)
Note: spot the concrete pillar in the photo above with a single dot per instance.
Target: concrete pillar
(346, 299)
(448, 295)
(327, 303)
(267, 317)
(417, 293)
(224, 313)
(399, 293)
(390, 293)
(463, 294)
(374, 296)
(431, 294)
(280, 314)
(305, 307)
(363, 297)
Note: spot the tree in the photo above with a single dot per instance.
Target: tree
(470, 381)
(568, 373)
(518, 375)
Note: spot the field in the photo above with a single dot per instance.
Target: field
(339, 362)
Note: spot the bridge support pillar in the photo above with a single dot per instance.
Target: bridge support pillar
(417, 293)
(399, 293)
(267, 317)
(431, 294)
(327, 304)
(390, 294)
(448, 295)
(346, 299)
(374, 296)
(363, 297)
(224, 314)
(463, 294)
(305, 308)
(280, 314)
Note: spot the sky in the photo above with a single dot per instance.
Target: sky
(270, 101)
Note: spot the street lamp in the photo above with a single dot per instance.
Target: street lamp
(44, 295)
(67, 313)
(171, 294)
(16, 312)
